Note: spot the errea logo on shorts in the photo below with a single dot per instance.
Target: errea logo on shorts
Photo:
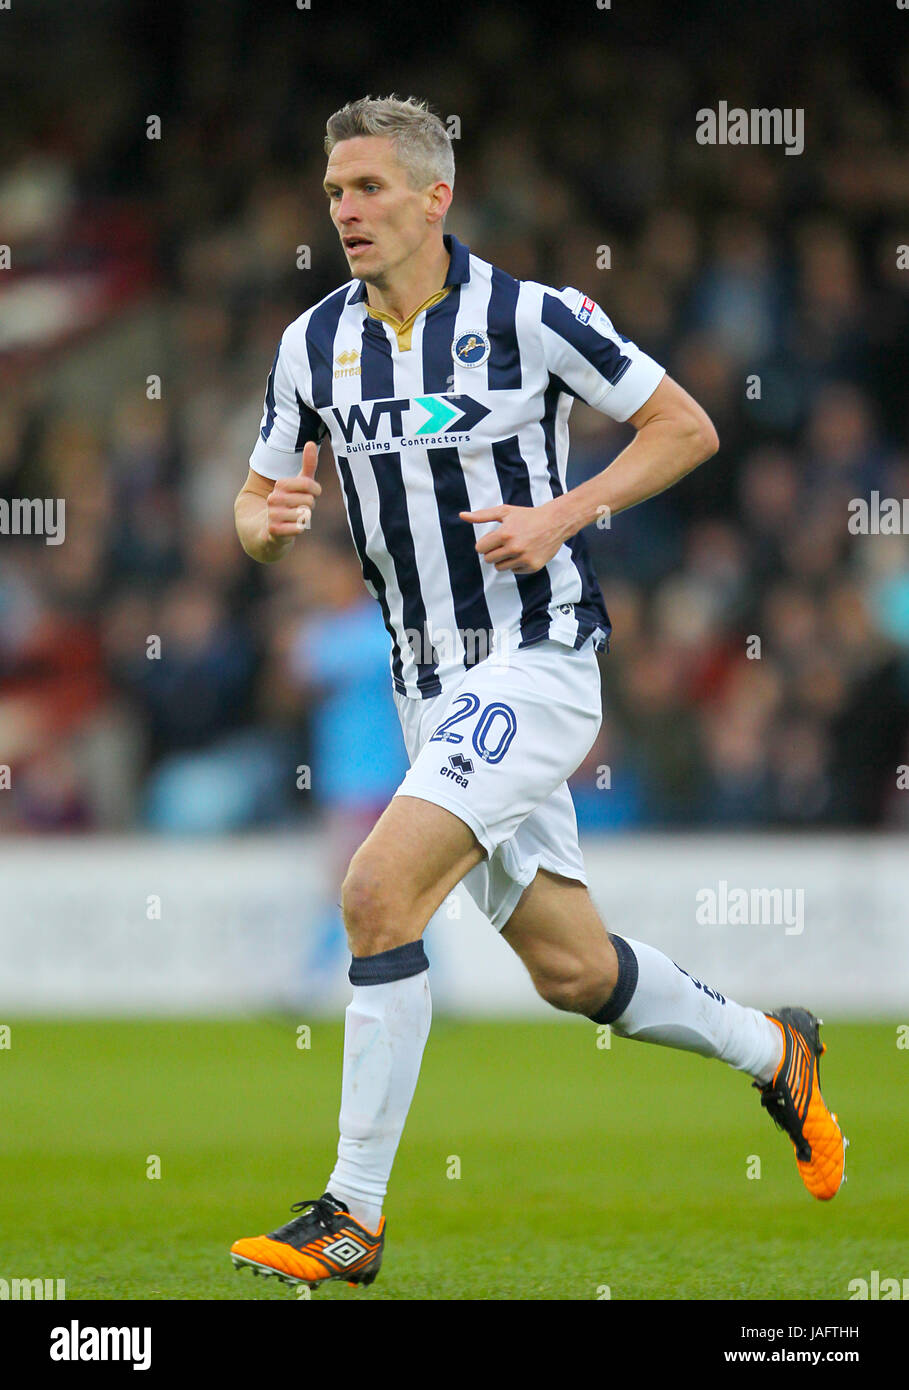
(459, 771)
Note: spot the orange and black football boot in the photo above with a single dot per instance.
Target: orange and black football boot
(325, 1242)
(793, 1100)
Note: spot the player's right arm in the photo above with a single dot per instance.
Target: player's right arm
(269, 514)
(276, 501)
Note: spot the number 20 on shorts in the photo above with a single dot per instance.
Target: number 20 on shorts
(492, 731)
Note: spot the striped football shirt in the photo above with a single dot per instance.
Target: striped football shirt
(463, 406)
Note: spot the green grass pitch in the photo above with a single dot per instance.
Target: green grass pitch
(582, 1169)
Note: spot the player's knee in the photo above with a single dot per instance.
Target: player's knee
(580, 991)
(373, 913)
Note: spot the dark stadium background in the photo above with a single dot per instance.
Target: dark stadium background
(176, 257)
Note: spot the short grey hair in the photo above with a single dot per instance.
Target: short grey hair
(422, 144)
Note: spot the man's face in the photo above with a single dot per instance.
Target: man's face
(380, 219)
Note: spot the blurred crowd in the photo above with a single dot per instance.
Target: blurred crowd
(151, 675)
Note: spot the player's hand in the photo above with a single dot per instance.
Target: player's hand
(526, 539)
(289, 504)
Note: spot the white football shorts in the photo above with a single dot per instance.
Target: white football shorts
(495, 749)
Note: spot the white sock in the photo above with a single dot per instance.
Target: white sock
(669, 1007)
(386, 1027)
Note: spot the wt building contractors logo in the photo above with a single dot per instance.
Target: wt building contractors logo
(759, 126)
(431, 420)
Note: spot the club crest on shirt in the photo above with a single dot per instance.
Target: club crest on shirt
(470, 349)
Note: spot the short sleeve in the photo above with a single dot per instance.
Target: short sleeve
(597, 364)
(287, 423)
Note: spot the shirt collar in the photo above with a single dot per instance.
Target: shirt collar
(458, 270)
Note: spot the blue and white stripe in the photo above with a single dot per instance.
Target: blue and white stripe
(507, 422)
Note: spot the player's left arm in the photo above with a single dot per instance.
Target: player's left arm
(585, 354)
(673, 434)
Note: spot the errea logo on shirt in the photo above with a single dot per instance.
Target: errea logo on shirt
(347, 363)
(420, 420)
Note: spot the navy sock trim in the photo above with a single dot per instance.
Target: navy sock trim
(397, 964)
(625, 985)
